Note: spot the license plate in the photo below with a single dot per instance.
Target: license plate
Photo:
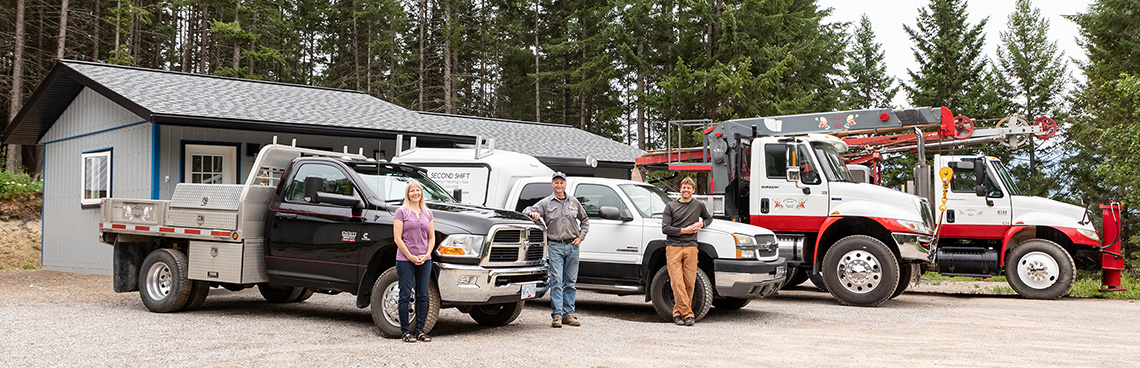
(528, 291)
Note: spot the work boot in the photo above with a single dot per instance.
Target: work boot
(690, 321)
(571, 320)
(556, 322)
(677, 320)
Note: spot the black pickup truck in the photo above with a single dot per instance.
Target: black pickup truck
(309, 221)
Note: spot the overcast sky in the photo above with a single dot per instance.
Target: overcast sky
(889, 16)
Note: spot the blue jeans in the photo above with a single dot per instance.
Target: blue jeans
(563, 261)
(418, 276)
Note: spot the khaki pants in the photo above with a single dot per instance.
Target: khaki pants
(682, 266)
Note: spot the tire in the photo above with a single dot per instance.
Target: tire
(163, 285)
(305, 295)
(198, 295)
(817, 281)
(279, 295)
(1040, 269)
(385, 305)
(661, 292)
(908, 273)
(861, 271)
(796, 276)
(495, 315)
(730, 303)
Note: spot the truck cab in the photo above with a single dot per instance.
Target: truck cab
(310, 221)
(991, 228)
(863, 243)
(624, 250)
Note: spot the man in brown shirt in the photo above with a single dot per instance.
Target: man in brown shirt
(680, 222)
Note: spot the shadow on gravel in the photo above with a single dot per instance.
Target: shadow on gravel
(965, 295)
(633, 311)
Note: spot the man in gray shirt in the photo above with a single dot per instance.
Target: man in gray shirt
(680, 222)
(566, 226)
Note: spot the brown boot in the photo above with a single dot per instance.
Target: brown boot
(556, 322)
(571, 320)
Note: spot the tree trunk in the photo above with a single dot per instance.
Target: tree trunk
(447, 103)
(641, 138)
(237, 45)
(392, 61)
(62, 30)
(423, 34)
(118, 22)
(537, 97)
(368, 65)
(14, 154)
(355, 49)
(98, 26)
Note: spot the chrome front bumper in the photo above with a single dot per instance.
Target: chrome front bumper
(748, 278)
(914, 247)
(478, 284)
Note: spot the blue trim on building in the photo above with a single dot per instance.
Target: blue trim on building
(155, 154)
(95, 132)
(182, 157)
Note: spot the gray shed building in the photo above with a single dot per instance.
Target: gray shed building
(114, 131)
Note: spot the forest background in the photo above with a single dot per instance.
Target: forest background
(624, 68)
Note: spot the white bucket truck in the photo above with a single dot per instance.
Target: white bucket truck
(624, 252)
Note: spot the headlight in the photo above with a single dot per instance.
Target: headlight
(914, 226)
(1091, 234)
(462, 245)
(745, 246)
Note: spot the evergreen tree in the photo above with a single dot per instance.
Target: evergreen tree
(867, 84)
(949, 54)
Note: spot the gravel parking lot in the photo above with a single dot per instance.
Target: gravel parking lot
(53, 319)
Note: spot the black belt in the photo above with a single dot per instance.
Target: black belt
(571, 240)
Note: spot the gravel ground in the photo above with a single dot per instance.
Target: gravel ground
(63, 319)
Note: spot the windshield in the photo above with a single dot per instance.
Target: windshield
(1003, 173)
(649, 200)
(388, 182)
(833, 167)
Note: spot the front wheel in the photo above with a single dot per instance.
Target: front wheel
(796, 276)
(661, 291)
(1040, 269)
(860, 270)
(164, 287)
(385, 303)
(497, 314)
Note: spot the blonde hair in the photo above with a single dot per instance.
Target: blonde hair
(690, 182)
(407, 193)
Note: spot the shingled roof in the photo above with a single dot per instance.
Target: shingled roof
(174, 98)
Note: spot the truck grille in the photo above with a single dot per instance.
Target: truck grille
(516, 245)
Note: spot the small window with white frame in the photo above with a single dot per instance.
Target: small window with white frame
(96, 176)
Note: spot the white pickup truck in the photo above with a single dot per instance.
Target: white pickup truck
(624, 252)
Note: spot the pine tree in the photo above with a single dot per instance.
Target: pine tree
(948, 51)
(867, 84)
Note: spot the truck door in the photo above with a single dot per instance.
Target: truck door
(314, 242)
(782, 201)
(968, 215)
(612, 249)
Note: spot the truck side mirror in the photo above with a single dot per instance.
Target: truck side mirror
(612, 213)
(980, 179)
(313, 186)
(793, 173)
(457, 193)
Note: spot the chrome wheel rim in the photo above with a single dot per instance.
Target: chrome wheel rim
(859, 271)
(158, 281)
(1038, 270)
(392, 304)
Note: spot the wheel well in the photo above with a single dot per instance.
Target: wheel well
(656, 260)
(851, 226)
(1083, 262)
(382, 260)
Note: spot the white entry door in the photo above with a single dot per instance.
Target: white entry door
(208, 164)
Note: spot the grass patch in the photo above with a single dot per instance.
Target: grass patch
(18, 186)
(1002, 290)
(1089, 288)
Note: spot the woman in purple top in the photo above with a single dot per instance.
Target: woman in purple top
(414, 231)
